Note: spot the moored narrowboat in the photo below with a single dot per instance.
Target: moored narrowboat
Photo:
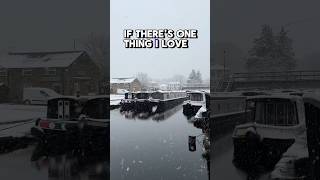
(164, 100)
(128, 103)
(196, 100)
(69, 118)
(273, 126)
(142, 102)
(94, 117)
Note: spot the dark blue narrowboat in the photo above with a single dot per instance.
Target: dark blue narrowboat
(70, 118)
(164, 100)
(128, 103)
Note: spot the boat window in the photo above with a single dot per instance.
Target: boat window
(97, 109)
(196, 97)
(157, 95)
(281, 113)
(143, 95)
(74, 108)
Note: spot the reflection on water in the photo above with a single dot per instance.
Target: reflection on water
(88, 160)
(156, 147)
(222, 166)
(91, 164)
(154, 116)
(167, 114)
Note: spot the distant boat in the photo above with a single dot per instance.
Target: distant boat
(196, 100)
(152, 101)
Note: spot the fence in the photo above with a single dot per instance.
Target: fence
(277, 76)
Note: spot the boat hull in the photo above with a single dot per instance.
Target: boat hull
(190, 110)
(127, 106)
(70, 132)
(156, 106)
(164, 105)
(250, 151)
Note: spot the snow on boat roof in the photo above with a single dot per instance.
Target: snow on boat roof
(39, 59)
(143, 92)
(196, 91)
(313, 98)
(161, 91)
(122, 80)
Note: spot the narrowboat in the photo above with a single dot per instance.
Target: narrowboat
(142, 102)
(164, 100)
(274, 123)
(128, 103)
(196, 100)
(223, 110)
(94, 117)
(70, 118)
(61, 119)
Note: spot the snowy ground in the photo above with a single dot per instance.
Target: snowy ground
(115, 99)
(12, 112)
(17, 120)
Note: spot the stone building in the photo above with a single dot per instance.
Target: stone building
(129, 84)
(66, 72)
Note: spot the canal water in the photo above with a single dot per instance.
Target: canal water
(156, 147)
(222, 166)
(30, 163)
(41, 163)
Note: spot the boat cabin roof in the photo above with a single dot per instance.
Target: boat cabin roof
(198, 92)
(162, 91)
(312, 98)
(143, 92)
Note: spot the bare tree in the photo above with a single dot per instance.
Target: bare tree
(144, 79)
(179, 78)
(96, 46)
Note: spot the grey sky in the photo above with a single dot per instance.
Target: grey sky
(156, 14)
(50, 25)
(240, 21)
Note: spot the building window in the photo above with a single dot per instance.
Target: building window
(51, 72)
(3, 73)
(26, 72)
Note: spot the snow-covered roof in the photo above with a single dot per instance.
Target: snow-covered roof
(196, 92)
(39, 59)
(313, 98)
(121, 80)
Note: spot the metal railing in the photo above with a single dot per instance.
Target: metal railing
(277, 76)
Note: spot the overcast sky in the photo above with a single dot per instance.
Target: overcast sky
(240, 21)
(50, 24)
(156, 14)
